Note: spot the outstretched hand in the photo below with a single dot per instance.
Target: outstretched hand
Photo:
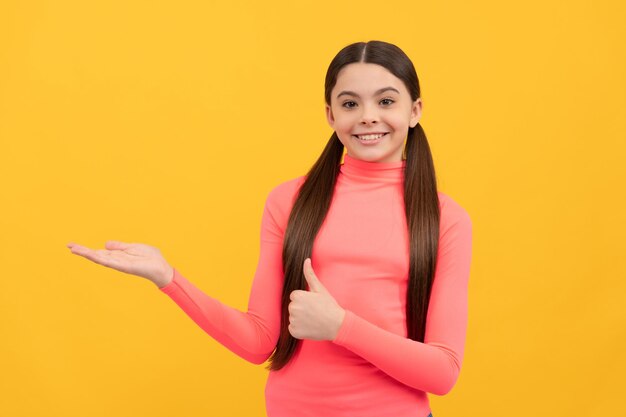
(314, 314)
(132, 258)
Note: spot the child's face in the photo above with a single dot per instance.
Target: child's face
(365, 109)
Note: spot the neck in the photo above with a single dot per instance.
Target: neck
(392, 172)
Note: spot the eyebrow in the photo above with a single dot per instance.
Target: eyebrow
(382, 90)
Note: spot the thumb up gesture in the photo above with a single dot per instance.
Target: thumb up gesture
(314, 314)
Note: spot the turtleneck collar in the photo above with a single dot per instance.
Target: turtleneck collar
(373, 171)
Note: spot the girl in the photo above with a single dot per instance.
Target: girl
(359, 299)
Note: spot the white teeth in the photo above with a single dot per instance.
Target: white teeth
(370, 137)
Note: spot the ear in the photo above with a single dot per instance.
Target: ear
(416, 112)
(330, 117)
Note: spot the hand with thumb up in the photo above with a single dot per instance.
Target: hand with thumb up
(314, 314)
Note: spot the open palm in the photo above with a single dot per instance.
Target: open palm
(132, 258)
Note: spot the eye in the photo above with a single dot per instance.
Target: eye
(346, 102)
(388, 100)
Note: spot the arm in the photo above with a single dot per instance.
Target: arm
(251, 335)
(432, 366)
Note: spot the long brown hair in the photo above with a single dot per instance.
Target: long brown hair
(314, 197)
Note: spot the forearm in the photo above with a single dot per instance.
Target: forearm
(238, 331)
(431, 367)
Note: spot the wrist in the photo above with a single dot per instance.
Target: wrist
(166, 279)
(340, 318)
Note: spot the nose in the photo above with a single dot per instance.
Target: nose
(369, 115)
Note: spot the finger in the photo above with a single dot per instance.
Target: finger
(314, 283)
(78, 249)
(101, 256)
(116, 245)
(293, 294)
(292, 331)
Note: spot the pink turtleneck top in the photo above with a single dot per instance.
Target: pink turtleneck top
(361, 255)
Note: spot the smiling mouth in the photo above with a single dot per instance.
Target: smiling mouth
(370, 137)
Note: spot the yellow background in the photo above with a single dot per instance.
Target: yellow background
(168, 123)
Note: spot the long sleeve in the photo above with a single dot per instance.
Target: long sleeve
(432, 366)
(253, 334)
